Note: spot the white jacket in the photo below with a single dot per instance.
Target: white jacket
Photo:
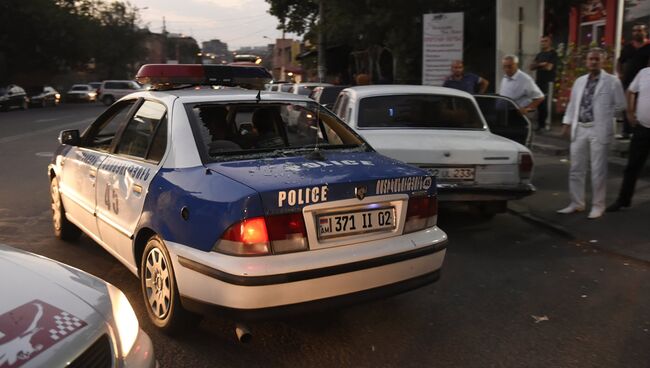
(609, 99)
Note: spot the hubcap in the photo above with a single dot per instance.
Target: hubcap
(157, 285)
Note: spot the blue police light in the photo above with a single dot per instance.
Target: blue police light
(169, 76)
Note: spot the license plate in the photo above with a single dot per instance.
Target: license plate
(453, 173)
(345, 224)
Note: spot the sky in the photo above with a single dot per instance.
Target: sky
(238, 23)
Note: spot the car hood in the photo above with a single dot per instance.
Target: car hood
(38, 294)
(291, 182)
(444, 147)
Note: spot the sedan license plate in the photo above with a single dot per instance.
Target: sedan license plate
(344, 224)
(453, 173)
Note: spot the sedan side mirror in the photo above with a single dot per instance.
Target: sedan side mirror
(70, 137)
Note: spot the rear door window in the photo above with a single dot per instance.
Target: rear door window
(140, 130)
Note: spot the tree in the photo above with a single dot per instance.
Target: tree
(396, 26)
(40, 38)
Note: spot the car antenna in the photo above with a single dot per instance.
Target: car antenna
(259, 97)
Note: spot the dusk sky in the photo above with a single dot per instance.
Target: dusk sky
(235, 22)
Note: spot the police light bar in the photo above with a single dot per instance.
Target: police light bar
(169, 76)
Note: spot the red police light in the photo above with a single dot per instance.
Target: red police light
(165, 76)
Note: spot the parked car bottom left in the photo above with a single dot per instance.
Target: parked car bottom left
(59, 316)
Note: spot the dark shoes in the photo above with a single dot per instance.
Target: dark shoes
(616, 206)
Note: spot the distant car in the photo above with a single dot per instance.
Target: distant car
(305, 88)
(206, 197)
(112, 90)
(326, 95)
(95, 85)
(443, 131)
(43, 96)
(279, 86)
(54, 315)
(13, 96)
(81, 93)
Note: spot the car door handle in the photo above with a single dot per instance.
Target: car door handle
(92, 173)
(136, 188)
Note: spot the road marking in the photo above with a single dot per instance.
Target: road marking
(52, 119)
(44, 154)
(13, 138)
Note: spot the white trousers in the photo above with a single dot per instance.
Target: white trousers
(584, 147)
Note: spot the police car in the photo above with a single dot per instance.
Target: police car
(202, 192)
(59, 316)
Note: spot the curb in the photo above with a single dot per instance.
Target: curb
(563, 232)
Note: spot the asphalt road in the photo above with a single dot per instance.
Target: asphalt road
(511, 294)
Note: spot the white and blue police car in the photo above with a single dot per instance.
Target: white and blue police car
(203, 193)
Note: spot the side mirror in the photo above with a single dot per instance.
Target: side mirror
(70, 137)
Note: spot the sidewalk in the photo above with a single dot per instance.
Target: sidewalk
(625, 233)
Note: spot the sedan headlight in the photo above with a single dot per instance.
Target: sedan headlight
(92, 94)
(125, 319)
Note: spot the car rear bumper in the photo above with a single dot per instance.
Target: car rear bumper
(345, 275)
(461, 193)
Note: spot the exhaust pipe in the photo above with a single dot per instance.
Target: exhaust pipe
(243, 333)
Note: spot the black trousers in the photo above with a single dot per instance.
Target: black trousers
(637, 156)
(542, 109)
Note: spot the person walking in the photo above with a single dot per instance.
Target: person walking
(545, 64)
(634, 57)
(468, 82)
(519, 86)
(638, 115)
(595, 98)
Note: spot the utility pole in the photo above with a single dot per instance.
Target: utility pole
(321, 42)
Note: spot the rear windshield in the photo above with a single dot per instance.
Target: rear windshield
(302, 90)
(286, 87)
(80, 88)
(226, 130)
(419, 111)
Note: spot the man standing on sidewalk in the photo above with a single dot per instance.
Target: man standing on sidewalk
(638, 115)
(634, 57)
(519, 86)
(545, 63)
(595, 98)
(468, 82)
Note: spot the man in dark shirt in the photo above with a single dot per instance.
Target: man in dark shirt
(634, 57)
(545, 64)
(468, 82)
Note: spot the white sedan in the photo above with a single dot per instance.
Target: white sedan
(443, 131)
(54, 315)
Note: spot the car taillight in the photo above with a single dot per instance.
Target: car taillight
(287, 233)
(421, 214)
(525, 166)
(261, 236)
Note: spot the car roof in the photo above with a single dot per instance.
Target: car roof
(225, 94)
(392, 89)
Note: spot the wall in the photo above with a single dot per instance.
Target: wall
(508, 32)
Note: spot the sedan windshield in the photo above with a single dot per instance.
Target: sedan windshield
(80, 88)
(419, 111)
(232, 129)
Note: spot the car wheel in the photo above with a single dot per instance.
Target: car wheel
(63, 229)
(160, 292)
(24, 105)
(108, 100)
(43, 103)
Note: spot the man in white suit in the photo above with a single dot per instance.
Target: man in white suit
(595, 99)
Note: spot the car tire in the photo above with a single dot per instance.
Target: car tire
(160, 292)
(108, 100)
(63, 228)
(24, 105)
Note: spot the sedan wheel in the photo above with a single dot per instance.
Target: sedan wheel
(63, 229)
(160, 291)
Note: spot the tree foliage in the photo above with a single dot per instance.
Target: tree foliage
(392, 24)
(40, 38)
